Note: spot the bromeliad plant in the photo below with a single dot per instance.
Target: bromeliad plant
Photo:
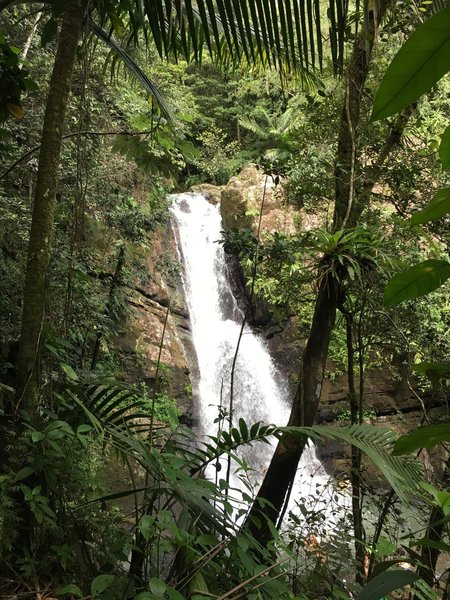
(288, 264)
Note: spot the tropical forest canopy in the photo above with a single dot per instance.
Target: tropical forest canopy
(105, 110)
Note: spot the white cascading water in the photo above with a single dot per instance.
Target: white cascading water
(260, 392)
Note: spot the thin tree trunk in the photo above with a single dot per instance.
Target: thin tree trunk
(348, 204)
(355, 475)
(27, 46)
(39, 247)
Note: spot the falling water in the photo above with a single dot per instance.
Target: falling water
(260, 392)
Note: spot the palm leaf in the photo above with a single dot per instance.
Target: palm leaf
(378, 444)
(134, 69)
(402, 473)
(254, 127)
(277, 32)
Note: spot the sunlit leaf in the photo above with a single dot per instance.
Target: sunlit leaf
(437, 208)
(422, 60)
(384, 547)
(425, 437)
(416, 281)
(70, 373)
(385, 583)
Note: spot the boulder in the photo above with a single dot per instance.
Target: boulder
(243, 197)
(211, 192)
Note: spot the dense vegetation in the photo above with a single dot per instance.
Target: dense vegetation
(104, 110)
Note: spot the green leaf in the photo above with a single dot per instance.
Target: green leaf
(433, 371)
(70, 373)
(37, 436)
(442, 498)
(83, 429)
(24, 473)
(425, 437)
(437, 208)
(147, 526)
(381, 567)
(422, 60)
(157, 587)
(71, 589)
(416, 281)
(432, 544)
(377, 443)
(444, 149)
(100, 584)
(6, 388)
(244, 429)
(173, 594)
(385, 583)
(198, 584)
(30, 85)
(384, 547)
(144, 596)
(134, 68)
(206, 539)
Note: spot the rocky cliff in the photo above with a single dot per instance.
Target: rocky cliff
(157, 325)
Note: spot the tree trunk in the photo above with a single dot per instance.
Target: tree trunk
(436, 530)
(355, 474)
(39, 246)
(285, 460)
(348, 205)
(29, 40)
(274, 491)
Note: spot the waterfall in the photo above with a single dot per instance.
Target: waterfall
(260, 392)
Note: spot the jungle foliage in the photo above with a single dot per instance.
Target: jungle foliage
(107, 107)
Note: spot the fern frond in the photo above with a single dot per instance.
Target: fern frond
(253, 126)
(377, 443)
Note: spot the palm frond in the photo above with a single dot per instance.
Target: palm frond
(134, 68)
(377, 443)
(402, 473)
(113, 409)
(275, 33)
(253, 126)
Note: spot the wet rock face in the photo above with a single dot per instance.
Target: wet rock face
(157, 326)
